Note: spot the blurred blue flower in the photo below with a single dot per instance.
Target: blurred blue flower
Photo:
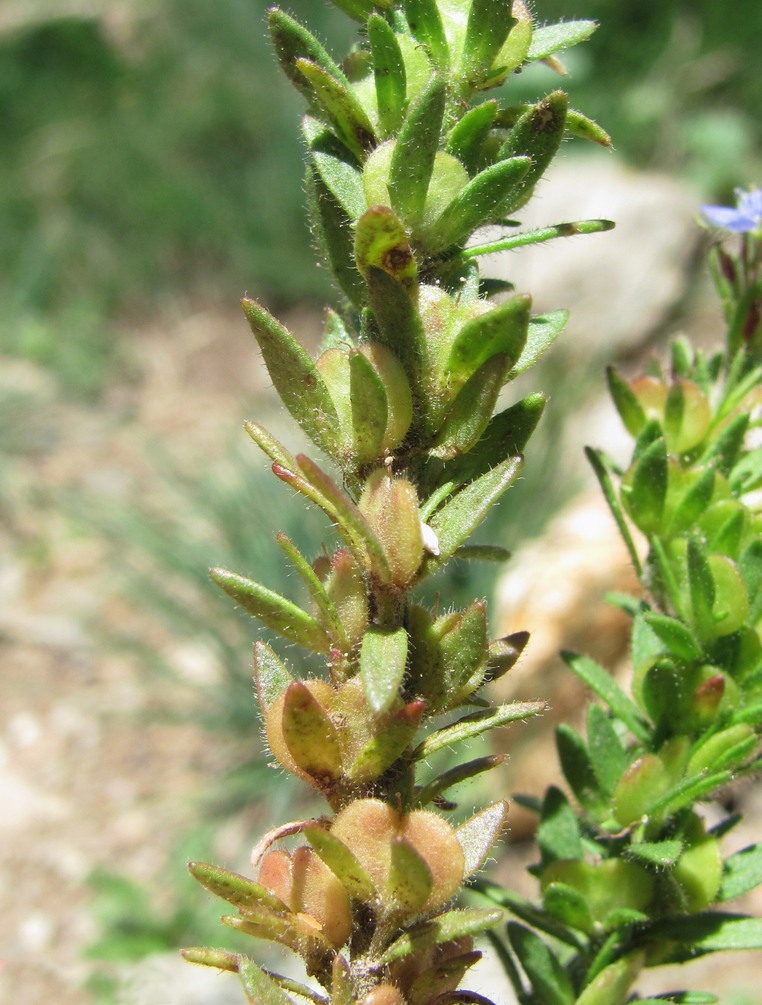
(747, 216)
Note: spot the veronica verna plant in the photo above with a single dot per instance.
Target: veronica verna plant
(407, 158)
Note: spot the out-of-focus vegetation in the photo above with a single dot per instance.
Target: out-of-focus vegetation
(148, 152)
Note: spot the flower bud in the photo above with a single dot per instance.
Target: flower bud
(390, 506)
(384, 994)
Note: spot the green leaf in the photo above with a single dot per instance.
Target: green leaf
(577, 765)
(399, 324)
(388, 745)
(383, 656)
(341, 108)
(454, 776)
(541, 334)
(487, 28)
(506, 435)
(555, 37)
(626, 402)
(550, 982)
(317, 592)
(600, 466)
(446, 927)
(558, 834)
(292, 42)
(216, 958)
(568, 906)
(426, 26)
(537, 135)
(539, 236)
(336, 167)
(583, 128)
(416, 147)
(701, 587)
(647, 489)
(477, 836)
(237, 890)
(476, 723)
(479, 202)
(269, 445)
(741, 872)
(389, 74)
(309, 733)
(456, 520)
(526, 911)
(613, 983)
(724, 450)
(606, 750)
(470, 412)
(295, 376)
(500, 330)
(677, 636)
(358, 9)
(603, 684)
(410, 881)
(659, 853)
(316, 485)
(710, 932)
(273, 610)
(260, 988)
(469, 133)
(332, 229)
(342, 863)
(271, 676)
(370, 407)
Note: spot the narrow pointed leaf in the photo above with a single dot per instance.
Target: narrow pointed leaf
(388, 745)
(410, 880)
(501, 330)
(260, 988)
(336, 167)
(602, 473)
(577, 765)
(317, 592)
(559, 836)
(454, 776)
(702, 589)
(399, 323)
(469, 133)
(216, 958)
(456, 520)
(482, 553)
(526, 237)
(426, 25)
(287, 930)
(677, 636)
(272, 447)
(693, 503)
(342, 863)
(550, 982)
(626, 402)
(271, 676)
(471, 410)
(388, 73)
(541, 334)
(309, 733)
(711, 932)
(292, 42)
(478, 203)
(413, 158)
(647, 491)
(295, 376)
(444, 928)
(583, 128)
(358, 9)
(604, 685)
(478, 835)
(554, 37)
(332, 229)
(741, 873)
(350, 520)
(237, 890)
(341, 108)
(370, 408)
(607, 753)
(273, 610)
(383, 656)
(506, 435)
(725, 449)
(477, 723)
(658, 853)
(487, 28)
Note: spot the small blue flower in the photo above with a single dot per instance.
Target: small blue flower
(745, 219)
